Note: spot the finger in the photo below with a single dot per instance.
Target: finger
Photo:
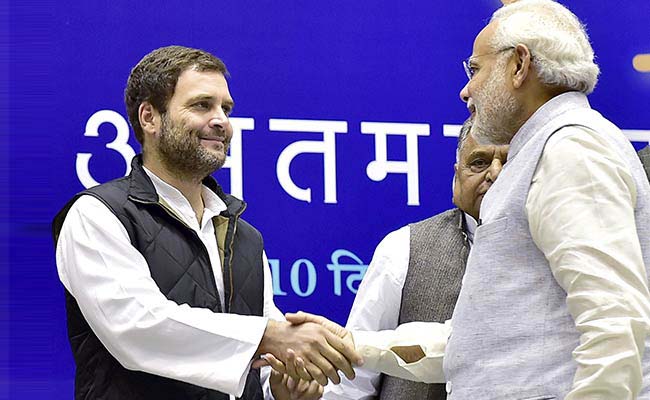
(277, 382)
(340, 354)
(324, 366)
(316, 373)
(301, 317)
(314, 390)
(309, 391)
(293, 371)
(313, 370)
(302, 386)
(259, 363)
(345, 345)
(296, 318)
(276, 377)
(300, 366)
(276, 364)
(291, 383)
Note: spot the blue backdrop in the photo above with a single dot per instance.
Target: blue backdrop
(347, 99)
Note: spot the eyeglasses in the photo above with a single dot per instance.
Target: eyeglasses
(469, 69)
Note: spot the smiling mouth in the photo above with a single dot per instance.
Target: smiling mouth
(213, 138)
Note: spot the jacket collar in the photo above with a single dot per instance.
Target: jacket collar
(141, 188)
(552, 109)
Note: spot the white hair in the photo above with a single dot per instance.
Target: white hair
(462, 136)
(557, 40)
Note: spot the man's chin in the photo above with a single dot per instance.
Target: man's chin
(218, 150)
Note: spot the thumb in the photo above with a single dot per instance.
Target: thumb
(298, 318)
(259, 363)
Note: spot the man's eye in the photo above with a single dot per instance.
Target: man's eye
(227, 110)
(478, 165)
(203, 105)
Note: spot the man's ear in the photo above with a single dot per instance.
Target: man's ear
(523, 65)
(150, 119)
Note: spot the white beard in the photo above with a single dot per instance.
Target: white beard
(496, 109)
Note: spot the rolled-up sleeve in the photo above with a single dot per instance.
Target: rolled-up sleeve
(431, 337)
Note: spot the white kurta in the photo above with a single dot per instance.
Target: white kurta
(376, 308)
(583, 222)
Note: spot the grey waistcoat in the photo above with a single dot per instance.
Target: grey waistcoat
(644, 155)
(438, 252)
(512, 334)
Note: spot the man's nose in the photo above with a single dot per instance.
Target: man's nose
(494, 170)
(219, 119)
(464, 93)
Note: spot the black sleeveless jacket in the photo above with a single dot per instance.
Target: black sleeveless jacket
(183, 273)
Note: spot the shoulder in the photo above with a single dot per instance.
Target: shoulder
(578, 145)
(249, 229)
(119, 185)
(440, 221)
(394, 240)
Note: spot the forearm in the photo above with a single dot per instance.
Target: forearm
(378, 350)
(612, 343)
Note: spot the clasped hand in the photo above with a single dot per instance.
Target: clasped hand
(309, 348)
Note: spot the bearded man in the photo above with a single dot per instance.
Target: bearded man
(168, 290)
(555, 300)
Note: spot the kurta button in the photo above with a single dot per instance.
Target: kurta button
(448, 387)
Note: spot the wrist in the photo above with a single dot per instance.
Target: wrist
(272, 337)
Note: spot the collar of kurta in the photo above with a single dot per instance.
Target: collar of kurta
(141, 188)
(550, 110)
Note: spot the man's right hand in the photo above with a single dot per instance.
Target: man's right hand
(323, 352)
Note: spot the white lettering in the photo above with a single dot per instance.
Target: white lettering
(378, 169)
(327, 147)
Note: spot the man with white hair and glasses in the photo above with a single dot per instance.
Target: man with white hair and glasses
(555, 301)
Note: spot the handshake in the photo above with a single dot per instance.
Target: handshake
(305, 352)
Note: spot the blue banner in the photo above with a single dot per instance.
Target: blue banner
(345, 130)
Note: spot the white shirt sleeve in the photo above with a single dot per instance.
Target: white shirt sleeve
(376, 307)
(375, 348)
(143, 330)
(581, 215)
(271, 311)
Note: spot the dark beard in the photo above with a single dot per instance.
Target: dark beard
(181, 152)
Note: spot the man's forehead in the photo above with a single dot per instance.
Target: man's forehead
(192, 77)
(482, 41)
(193, 83)
(472, 146)
(468, 145)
